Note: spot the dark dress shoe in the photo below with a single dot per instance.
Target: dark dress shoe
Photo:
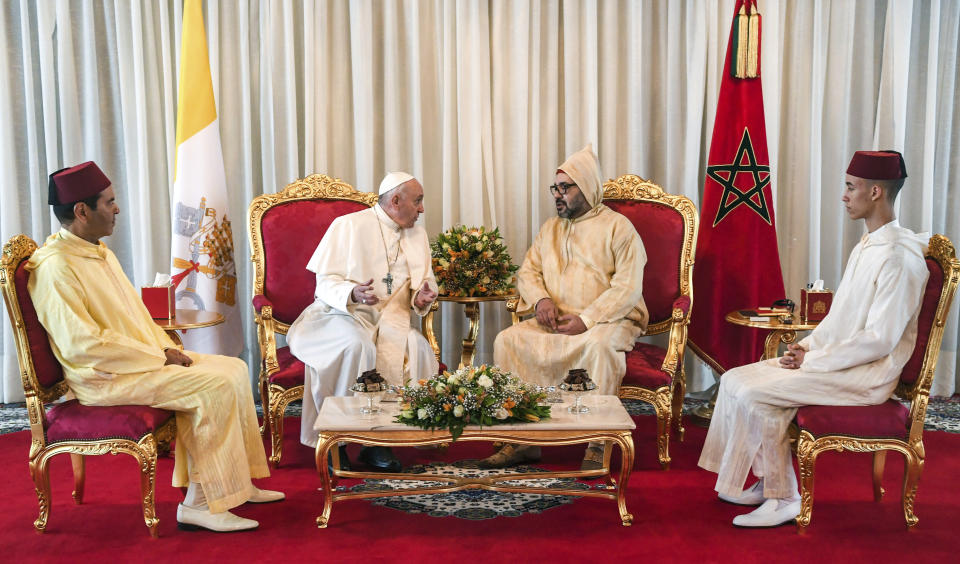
(380, 458)
(344, 460)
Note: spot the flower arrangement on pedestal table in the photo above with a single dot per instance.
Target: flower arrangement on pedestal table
(471, 261)
(481, 395)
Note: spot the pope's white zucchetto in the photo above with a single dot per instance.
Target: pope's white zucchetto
(392, 180)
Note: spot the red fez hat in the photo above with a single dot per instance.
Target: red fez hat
(877, 165)
(77, 183)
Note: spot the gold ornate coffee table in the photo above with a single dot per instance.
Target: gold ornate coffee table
(340, 420)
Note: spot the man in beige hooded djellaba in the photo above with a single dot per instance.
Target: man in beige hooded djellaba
(114, 354)
(583, 275)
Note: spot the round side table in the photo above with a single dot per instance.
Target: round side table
(188, 319)
(780, 332)
(471, 309)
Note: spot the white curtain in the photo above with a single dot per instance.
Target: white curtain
(481, 100)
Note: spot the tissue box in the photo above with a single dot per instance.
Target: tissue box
(161, 302)
(814, 304)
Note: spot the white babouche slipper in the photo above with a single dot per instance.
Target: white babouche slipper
(750, 496)
(773, 513)
(191, 519)
(265, 496)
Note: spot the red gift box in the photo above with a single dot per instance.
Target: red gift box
(161, 302)
(815, 304)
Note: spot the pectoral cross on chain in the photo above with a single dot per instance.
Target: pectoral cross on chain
(388, 280)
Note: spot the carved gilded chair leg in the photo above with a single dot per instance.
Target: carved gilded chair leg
(146, 457)
(265, 404)
(679, 392)
(663, 409)
(79, 476)
(40, 472)
(879, 460)
(912, 468)
(277, 408)
(806, 460)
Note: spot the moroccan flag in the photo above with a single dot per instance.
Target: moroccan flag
(738, 265)
(202, 241)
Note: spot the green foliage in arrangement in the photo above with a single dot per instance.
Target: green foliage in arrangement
(471, 261)
(481, 395)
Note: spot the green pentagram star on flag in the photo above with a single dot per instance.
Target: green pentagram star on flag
(752, 197)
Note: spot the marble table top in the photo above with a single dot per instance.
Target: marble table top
(606, 413)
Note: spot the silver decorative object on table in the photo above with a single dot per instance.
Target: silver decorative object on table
(578, 383)
(370, 386)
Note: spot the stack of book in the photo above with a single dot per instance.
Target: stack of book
(763, 314)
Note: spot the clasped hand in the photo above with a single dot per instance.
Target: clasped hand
(793, 358)
(568, 324)
(178, 357)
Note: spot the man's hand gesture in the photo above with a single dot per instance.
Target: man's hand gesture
(178, 357)
(363, 293)
(547, 313)
(570, 324)
(425, 296)
(793, 358)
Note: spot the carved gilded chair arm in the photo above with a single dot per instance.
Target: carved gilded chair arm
(259, 301)
(679, 320)
(266, 335)
(516, 316)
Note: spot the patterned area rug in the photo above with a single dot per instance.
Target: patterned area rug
(470, 504)
(943, 414)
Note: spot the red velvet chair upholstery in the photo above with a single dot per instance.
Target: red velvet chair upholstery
(285, 229)
(69, 427)
(667, 224)
(890, 425)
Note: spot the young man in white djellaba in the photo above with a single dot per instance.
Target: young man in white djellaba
(853, 357)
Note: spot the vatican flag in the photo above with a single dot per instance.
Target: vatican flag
(202, 246)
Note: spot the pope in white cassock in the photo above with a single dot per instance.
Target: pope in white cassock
(854, 357)
(372, 267)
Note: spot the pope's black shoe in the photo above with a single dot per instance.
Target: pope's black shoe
(380, 458)
(344, 460)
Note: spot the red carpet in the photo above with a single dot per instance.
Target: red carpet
(676, 516)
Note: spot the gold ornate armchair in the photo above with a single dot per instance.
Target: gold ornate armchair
(667, 224)
(890, 425)
(284, 229)
(69, 427)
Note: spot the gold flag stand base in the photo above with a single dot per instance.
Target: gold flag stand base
(701, 415)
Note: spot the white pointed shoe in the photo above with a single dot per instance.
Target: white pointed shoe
(750, 496)
(773, 513)
(265, 496)
(191, 519)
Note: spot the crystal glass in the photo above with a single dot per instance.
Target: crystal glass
(554, 395)
(578, 406)
(371, 400)
(578, 391)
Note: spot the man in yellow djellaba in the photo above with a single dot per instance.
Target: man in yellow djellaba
(114, 354)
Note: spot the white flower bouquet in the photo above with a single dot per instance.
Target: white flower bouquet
(482, 395)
